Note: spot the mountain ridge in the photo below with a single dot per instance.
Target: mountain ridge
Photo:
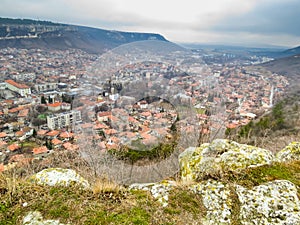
(26, 33)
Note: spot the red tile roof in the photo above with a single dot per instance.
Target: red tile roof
(13, 147)
(23, 113)
(70, 146)
(53, 133)
(3, 135)
(20, 86)
(104, 114)
(40, 150)
(66, 134)
(19, 133)
(54, 105)
(42, 132)
(55, 141)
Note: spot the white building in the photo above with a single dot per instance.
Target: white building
(45, 87)
(22, 89)
(64, 120)
(24, 76)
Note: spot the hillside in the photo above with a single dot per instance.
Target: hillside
(288, 66)
(275, 129)
(18, 33)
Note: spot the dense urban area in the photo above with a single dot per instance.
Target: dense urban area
(50, 99)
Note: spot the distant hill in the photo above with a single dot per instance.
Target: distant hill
(286, 53)
(25, 33)
(287, 66)
(293, 51)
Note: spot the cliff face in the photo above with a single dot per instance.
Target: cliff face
(47, 35)
(223, 182)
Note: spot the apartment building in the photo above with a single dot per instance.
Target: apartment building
(64, 120)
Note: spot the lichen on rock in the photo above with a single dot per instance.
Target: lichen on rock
(59, 177)
(289, 153)
(159, 191)
(272, 203)
(220, 156)
(217, 200)
(36, 218)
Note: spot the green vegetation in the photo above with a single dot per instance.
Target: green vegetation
(282, 123)
(272, 122)
(256, 176)
(77, 206)
(42, 116)
(143, 152)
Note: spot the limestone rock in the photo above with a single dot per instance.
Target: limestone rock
(35, 218)
(269, 204)
(216, 198)
(289, 153)
(219, 156)
(59, 177)
(159, 191)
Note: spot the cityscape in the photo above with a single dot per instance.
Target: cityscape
(51, 97)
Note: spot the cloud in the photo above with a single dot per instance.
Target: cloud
(182, 21)
(271, 17)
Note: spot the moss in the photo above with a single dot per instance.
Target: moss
(277, 171)
(182, 200)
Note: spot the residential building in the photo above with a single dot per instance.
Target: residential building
(64, 120)
(21, 89)
(45, 87)
(24, 76)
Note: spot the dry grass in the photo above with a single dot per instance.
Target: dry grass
(105, 185)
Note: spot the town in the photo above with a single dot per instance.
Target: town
(51, 99)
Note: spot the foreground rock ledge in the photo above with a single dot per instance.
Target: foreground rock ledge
(219, 156)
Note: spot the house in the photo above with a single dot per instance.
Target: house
(13, 147)
(56, 143)
(42, 133)
(52, 134)
(66, 136)
(71, 147)
(40, 151)
(54, 107)
(22, 115)
(103, 116)
(3, 135)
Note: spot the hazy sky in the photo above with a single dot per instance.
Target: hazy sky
(239, 22)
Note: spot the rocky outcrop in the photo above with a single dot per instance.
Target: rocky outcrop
(59, 177)
(36, 218)
(269, 204)
(159, 191)
(226, 202)
(220, 156)
(289, 153)
(216, 198)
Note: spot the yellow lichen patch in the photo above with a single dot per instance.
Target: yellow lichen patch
(289, 153)
(220, 156)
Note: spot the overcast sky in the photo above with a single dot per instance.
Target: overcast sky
(238, 22)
